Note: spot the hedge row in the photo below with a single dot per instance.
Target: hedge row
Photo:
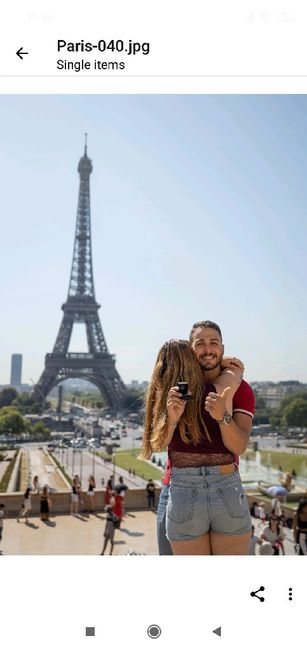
(8, 473)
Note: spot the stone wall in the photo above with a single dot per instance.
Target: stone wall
(60, 501)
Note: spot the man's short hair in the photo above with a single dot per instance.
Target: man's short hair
(205, 323)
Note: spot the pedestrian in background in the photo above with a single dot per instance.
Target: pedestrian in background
(108, 492)
(272, 532)
(36, 485)
(45, 504)
(151, 496)
(91, 492)
(109, 531)
(121, 490)
(26, 506)
(75, 489)
(117, 506)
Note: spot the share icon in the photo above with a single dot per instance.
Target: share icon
(254, 594)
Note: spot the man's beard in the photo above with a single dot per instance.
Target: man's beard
(205, 365)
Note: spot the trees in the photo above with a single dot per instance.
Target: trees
(11, 421)
(7, 396)
(295, 413)
(25, 403)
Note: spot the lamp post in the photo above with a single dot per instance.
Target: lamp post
(93, 468)
(81, 465)
(114, 469)
(73, 462)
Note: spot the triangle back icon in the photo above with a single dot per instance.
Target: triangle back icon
(218, 631)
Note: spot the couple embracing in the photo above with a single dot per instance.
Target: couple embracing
(202, 509)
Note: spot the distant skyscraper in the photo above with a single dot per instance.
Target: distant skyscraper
(16, 365)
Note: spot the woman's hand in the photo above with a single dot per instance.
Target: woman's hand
(175, 406)
(216, 404)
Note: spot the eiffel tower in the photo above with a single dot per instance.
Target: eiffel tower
(97, 365)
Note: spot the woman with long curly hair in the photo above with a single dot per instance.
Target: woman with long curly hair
(206, 499)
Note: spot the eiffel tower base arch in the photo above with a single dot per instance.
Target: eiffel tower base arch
(100, 371)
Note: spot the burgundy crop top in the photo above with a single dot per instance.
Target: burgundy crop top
(215, 451)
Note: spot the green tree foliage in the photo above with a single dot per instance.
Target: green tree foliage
(25, 403)
(290, 398)
(275, 420)
(11, 421)
(295, 413)
(39, 429)
(7, 396)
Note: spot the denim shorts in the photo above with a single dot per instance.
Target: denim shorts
(201, 499)
(163, 543)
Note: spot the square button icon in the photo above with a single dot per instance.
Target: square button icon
(89, 631)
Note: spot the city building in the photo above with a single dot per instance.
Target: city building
(274, 393)
(16, 368)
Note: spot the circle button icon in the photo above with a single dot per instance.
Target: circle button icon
(154, 631)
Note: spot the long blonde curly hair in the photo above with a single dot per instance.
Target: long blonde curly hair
(176, 361)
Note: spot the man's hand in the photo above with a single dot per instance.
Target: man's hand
(216, 404)
(233, 363)
(175, 406)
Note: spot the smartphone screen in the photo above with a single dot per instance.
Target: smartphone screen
(153, 164)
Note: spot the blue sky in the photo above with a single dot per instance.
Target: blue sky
(198, 211)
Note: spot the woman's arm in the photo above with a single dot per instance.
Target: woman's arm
(175, 407)
(230, 377)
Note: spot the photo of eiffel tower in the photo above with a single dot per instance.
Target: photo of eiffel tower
(97, 365)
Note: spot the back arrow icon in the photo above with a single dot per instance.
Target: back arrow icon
(20, 52)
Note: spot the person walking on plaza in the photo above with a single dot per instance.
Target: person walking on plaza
(121, 489)
(45, 504)
(272, 532)
(300, 527)
(36, 485)
(108, 492)
(26, 506)
(75, 489)
(151, 496)
(111, 524)
(91, 492)
(80, 493)
(3, 514)
(117, 506)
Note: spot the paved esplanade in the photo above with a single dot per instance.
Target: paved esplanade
(83, 535)
(79, 535)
